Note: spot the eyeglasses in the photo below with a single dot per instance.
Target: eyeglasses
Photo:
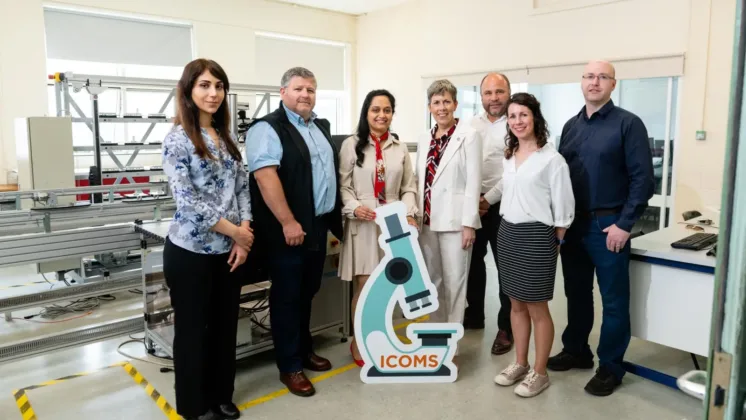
(601, 77)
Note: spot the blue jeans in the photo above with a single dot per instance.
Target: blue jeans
(583, 253)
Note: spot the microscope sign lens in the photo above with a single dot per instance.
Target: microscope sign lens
(399, 270)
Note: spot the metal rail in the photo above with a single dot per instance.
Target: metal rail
(75, 243)
(84, 335)
(17, 222)
(136, 82)
(49, 197)
(117, 283)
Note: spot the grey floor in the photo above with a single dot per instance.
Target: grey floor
(110, 393)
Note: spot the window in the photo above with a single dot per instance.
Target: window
(101, 44)
(654, 100)
(105, 38)
(327, 60)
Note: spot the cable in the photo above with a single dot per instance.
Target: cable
(52, 322)
(81, 305)
(45, 279)
(87, 305)
(120, 351)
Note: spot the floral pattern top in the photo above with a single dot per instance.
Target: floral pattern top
(204, 190)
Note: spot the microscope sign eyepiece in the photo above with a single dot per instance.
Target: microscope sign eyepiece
(399, 270)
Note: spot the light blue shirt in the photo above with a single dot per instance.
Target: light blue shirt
(263, 148)
(204, 190)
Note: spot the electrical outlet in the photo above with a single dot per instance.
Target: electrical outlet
(701, 135)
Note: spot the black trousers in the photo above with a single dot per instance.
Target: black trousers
(296, 274)
(477, 282)
(205, 297)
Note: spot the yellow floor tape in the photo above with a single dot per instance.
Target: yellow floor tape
(24, 405)
(284, 391)
(14, 286)
(22, 400)
(27, 412)
(161, 402)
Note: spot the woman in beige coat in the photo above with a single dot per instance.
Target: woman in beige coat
(375, 169)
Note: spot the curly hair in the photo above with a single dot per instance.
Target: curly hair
(541, 130)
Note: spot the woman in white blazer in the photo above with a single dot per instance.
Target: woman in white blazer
(449, 182)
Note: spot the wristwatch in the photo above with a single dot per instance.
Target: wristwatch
(560, 241)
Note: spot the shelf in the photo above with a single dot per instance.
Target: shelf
(123, 174)
(119, 147)
(127, 120)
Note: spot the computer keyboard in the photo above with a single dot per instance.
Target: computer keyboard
(696, 242)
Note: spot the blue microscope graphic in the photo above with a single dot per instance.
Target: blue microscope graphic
(401, 277)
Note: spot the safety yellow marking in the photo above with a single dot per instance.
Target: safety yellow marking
(271, 396)
(284, 391)
(22, 400)
(21, 285)
(24, 405)
(161, 402)
(414, 321)
(404, 339)
(67, 378)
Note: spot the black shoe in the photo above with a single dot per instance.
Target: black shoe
(228, 411)
(603, 383)
(210, 415)
(473, 324)
(566, 361)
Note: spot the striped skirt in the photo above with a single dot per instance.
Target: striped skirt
(527, 260)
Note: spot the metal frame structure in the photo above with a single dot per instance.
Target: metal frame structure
(95, 85)
(50, 197)
(158, 326)
(49, 233)
(52, 234)
(77, 243)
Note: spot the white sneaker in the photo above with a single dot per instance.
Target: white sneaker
(532, 385)
(511, 374)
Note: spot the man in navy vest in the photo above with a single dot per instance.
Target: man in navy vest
(295, 200)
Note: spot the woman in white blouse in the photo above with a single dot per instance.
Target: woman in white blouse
(537, 208)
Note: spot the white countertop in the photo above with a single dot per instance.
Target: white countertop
(658, 245)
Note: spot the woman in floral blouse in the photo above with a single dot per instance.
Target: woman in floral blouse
(208, 240)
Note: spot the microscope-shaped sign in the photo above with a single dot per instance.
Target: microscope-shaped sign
(401, 278)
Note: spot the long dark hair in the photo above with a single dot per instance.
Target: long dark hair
(363, 128)
(541, 131)
(187, 113)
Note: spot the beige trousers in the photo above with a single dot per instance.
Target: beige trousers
(448, 266)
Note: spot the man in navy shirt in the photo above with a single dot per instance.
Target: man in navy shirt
(607, 150)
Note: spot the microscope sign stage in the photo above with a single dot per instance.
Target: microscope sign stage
(401, 278)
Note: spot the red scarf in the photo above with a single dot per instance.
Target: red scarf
(379, 182)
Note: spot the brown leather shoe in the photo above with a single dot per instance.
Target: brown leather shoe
(502, 344)
(298, 384)
(317, 363)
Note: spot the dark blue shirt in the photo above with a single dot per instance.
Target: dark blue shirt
(610, 162)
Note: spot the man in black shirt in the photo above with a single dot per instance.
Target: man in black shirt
(607, 150)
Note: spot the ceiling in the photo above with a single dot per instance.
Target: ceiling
(353, 7)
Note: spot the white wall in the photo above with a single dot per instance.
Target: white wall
(223, 31)
(427, 38)
(22, 72)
